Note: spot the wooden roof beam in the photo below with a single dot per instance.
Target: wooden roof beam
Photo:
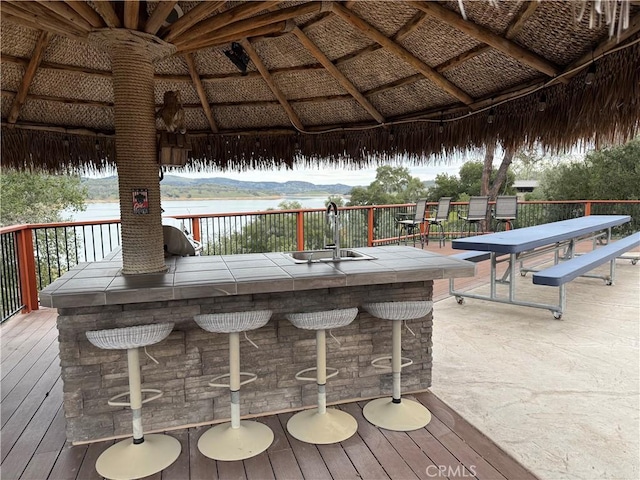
(485, 35)
(86, 12)
(197, 83)
(108, 14)
(337, 74)
(29, 74)
(40, 18)
(253, 55)
(402, 53)
(159, 15)
(190, 18)
(131, 14)
(66, 12)
(223, 20)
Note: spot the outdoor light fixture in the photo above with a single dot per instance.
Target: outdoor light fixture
(492, 115)
(238, 56)
(542, 103)
(591, 74)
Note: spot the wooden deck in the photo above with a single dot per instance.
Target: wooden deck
(33, 441)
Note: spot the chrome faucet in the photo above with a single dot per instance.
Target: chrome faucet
(332, 211)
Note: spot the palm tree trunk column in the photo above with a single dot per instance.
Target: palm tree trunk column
(132, 55)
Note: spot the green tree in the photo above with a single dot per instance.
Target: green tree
(607, 174)
(468, 184)
(393, 185)
(38, 198)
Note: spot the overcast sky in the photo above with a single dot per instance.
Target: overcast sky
(326, 175)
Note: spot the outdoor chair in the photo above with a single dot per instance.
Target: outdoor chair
(442, 214)
(410, 225)
(506, 211)
(476, 215)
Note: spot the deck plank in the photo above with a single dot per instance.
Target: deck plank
(309, 458)
(440, 456)
(199, 465)
(179, 469)
(362, 458)
(232, 470)
(258, 467)
(68, 462)
(489, 450)
(87, 470)
(393, 464)
(16, 346)
(283, 461)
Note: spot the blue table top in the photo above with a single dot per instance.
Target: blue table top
(523, 239)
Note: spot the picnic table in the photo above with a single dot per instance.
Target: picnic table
(516, 246)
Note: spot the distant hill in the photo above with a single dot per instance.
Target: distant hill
(181, 188)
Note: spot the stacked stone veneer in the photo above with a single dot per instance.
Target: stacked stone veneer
(190, 357)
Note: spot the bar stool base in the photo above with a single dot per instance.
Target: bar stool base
(401, 417)
(124, 460)
(229, 444)
(331, 427)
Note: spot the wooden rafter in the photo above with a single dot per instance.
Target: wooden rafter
(257, 61)
(131, 14)
(527, 10)
(402, 53)
(228, 17)
(30, 72)
(195, 78)
(159, 15)
(485, 35)
(66, 12)
(279, 27)
(190, 18)
(35, 16)
(337, 74)
(68, 101)
(108, 14)
(85, 11)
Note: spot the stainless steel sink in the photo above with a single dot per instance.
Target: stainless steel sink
(324, 256)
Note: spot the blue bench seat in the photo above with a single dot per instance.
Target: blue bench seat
(474, 256)
(568, 270)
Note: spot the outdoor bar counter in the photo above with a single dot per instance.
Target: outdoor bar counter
(94, 296)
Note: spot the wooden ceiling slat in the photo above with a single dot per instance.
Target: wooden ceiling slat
(228, 17)
(29, 22)
(68, 13)
(68, 101)
(527, 10)
(337, 74)
(131, 14)
(108, 14)
(485, 35)
(42, 18)
(30, 72)
(195, 78)
(253, 55)
(159, 15)
(190, 18)
(85, 11)
(402, 53)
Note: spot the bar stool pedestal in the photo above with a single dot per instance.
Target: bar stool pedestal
(322, 425)
(238, 439)
(142, 455)
(397, 413)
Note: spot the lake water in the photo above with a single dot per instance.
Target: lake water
(110, 211)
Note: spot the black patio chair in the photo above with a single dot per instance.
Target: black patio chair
(477, 213)
(409, 225)
(442, 214)
(506, 211)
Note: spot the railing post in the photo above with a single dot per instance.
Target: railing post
(300, 229)
(370, 227)
(195, 228)
(27, 268)
(587, 208)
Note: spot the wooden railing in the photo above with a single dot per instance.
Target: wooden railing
(34, 255)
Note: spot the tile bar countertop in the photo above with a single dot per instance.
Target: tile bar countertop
(101, 283)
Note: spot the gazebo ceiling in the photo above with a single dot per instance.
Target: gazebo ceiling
(338, 81)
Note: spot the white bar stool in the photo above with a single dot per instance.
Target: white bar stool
(396, 413)
(322, 425)
(141, 455)
(235, 440)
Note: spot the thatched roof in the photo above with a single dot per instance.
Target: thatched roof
(333, 81)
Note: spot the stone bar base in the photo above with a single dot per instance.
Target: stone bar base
(190, 357)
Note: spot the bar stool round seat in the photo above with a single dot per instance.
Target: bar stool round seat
(321, 425)
(397, 413)
(238, 439)
(141, 455)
